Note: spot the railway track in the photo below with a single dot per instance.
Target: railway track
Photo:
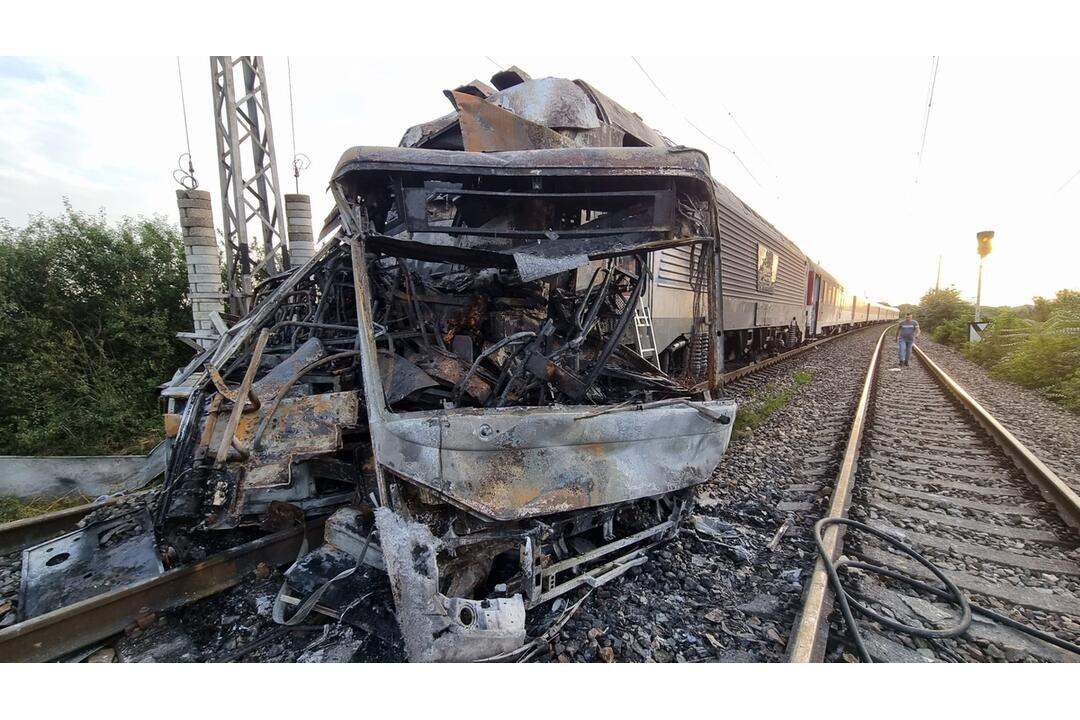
(61, 632)
(925, 468)
(67, 629)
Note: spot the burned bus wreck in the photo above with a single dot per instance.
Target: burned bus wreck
(453, 376)
(560, 452)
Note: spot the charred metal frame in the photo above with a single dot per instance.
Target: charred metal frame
(397, 436)
(518, 470)
(475, 307)
(306, 335)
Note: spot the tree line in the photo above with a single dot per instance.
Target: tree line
(89, 312)
(1036, 346)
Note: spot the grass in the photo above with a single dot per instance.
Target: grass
(12, 508)
(766, 402)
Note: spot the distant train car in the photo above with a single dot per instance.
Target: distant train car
(831, 308)
(885, 313)
(774, 297)
(825, 302)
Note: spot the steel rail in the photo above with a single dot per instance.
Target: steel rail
(67, 629)
(811, 629)
(21, 534)
(1053, 488)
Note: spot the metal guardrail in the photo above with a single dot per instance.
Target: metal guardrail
(35, 477)
(21, 534)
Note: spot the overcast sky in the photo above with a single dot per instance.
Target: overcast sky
(833, 145)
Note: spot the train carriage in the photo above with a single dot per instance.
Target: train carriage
(762, 276)
(832, 308)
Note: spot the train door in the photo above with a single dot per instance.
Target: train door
(835, 304)
(824, 297)
(813, 294)
(818, 294)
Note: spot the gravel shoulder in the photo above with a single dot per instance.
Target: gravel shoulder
(1049, 430)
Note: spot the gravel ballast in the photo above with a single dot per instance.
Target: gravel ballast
(1049, 430)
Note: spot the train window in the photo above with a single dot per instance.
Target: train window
(767, 262)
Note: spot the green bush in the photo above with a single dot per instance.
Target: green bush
(1041, 360)
(906, 308)
(1047, 355)
(1067, 392)
(938, 307)
(88, 317)
(1004, 334)
(952, 332)
(1037, 346)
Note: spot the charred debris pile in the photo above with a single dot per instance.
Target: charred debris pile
(458, 379)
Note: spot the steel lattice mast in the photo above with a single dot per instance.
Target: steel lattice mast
(251, 195)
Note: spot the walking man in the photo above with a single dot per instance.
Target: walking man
(906, 332)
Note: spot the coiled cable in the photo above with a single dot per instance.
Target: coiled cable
(950, 593)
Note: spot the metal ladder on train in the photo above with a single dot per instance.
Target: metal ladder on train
(646, 338)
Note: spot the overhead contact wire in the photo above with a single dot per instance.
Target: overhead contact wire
(692, 124)
(926, 114)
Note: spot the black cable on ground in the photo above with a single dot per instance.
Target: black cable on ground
(950, 593)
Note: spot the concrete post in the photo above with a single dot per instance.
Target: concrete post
(203, 261)
(301, 236)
